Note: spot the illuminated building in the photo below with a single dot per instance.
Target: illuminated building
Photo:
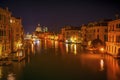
(28, 37)
(41, 32)
(38, 28)
(96, 31)
(52, 36)
(11, 32)
(5, 32)
(17, 33)
(45, 29)
(113, 43)
(60, 37)
(84, 33)
(71, 34)
(41, 29)
(38, 31)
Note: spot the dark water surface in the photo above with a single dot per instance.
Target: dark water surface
(52, 60)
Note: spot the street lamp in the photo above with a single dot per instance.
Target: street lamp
(102, 49)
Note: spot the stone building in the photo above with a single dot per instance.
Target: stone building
(11, 32)
(5, 32)
(17, 33)
(96, 31)
(71, 34)
(41, 32)
(113, 43)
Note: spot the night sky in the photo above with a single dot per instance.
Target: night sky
(54, 14)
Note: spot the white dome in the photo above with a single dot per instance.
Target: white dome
(38, 28)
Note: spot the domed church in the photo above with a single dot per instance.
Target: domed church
(38, 28)
(40, 31)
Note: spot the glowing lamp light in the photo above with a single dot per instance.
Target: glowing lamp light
(33, 39)
(72, 39)
(20, 44)
(66, 41)
(102, 49)
(11, 21)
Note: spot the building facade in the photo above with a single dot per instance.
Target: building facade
(71, 34)
(84, 35)
(11, 31)
(5, 32)
(96, 31)
(113, 43)
(17, 33)
(41, 32)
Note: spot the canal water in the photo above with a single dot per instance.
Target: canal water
(53, 60)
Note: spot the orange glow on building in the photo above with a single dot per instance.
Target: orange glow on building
(113, 43)
(70, 34)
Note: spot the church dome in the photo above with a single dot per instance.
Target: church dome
(38, 28)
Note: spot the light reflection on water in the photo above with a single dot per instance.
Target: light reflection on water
(45, 44)
(94, 63)
(101, 64)
(56, 45)
(113, 68)
(32, 48)
(1, 72)
(67, 48)
(11, 76)
(72, 63)
(71, 48)
(12, 72)
(75, 49)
